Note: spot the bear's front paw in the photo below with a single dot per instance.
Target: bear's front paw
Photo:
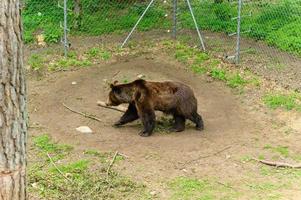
(144, 134)
(176, 129)
(117, 124)
(199, 128)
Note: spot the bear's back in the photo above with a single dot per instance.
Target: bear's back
(169, 95)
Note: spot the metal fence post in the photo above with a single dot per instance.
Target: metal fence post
(238, 32)
(196, 25)
(133, 29)
(175, 8)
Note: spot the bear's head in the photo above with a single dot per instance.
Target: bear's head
(120, 93)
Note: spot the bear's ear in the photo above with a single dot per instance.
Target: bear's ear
(113, 84)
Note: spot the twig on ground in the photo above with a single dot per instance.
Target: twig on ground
(118, 108)
(115, 74)
(207, 156)
(123, 155)
(277, 164)
(36, 127)
(111, 164)
(225, 185)
(83, 114)
(58, 168)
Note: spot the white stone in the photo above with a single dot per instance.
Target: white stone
(34, 185)
(74, 83)
(84, 129)
(140, 76)
(153, 193)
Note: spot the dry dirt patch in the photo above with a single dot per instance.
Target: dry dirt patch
(230, 134)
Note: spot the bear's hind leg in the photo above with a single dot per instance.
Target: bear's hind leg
(179, 124)
(197, 119)
(129, 116)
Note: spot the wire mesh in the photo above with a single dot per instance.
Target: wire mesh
(276, 23)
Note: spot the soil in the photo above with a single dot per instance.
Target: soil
(232, 129)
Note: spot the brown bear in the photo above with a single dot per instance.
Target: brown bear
(144, 97)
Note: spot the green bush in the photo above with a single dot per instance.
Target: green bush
(287, 38)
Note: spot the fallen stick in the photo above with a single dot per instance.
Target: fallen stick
(278, 164)
(111, 164)
(207, 156)
(118, 108)
(58, 168)
(83, 114)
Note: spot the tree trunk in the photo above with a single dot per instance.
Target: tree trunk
(13, 115)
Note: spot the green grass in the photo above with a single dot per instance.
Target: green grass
(203, 63)
(36, 62)
(198, 69)
(66, 63)
(100, 53)
(278, 23)
(287, 101)
(282, 150)
(73, 176)
(184, 188)
(235, 81)
(46, 146)
(219, 74)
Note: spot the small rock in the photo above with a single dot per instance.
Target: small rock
(74, 83)
(184, 170)
(153, 193)
(40, 40)
(84, 129)
(141, 76)
(34, 185)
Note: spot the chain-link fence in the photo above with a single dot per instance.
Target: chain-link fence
(276, 23)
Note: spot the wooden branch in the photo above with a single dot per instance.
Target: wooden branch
(118, 108)
(83, 114)
(111, 164)
(58, 168)
(278, 164)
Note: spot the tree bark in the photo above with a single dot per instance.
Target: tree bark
(13, 115)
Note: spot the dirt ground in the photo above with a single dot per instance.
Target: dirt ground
(233, 130)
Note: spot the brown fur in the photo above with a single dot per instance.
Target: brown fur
(144, 97)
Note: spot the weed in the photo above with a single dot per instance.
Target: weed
(246, 159)
(193, 189)
(36, 62)
(282, 150)
(182, 56)
(87, 177)
(125, 80)
(198, 69)
(201, 58)
(287, 101)
(218, 74)
(235, 81)
(45, 145)
(65, 63)
(72, 54)
(96, 52)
